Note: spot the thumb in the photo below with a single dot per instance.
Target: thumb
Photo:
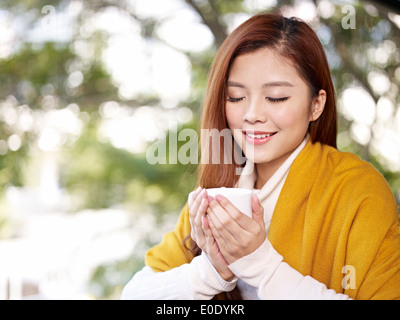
(258, 210)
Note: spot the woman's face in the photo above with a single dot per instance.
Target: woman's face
(268, 107)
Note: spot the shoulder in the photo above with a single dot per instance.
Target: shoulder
(325, 170)
(356, 180)
(338, 176)
(350, 167)
(329, 161)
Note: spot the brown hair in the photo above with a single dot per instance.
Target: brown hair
(294, 40)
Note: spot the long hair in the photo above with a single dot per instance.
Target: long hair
(292, 39)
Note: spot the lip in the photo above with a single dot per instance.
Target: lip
(258, 141)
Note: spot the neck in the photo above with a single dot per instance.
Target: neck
(264, 172)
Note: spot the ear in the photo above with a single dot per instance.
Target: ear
(318, 105)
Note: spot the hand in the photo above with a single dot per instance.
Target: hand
(202, 235)
(236, 234)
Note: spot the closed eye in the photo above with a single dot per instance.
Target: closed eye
(230, 99)
(277, 99)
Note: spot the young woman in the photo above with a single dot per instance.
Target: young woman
(325, 223)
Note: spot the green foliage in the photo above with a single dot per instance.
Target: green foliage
(108, 280)
(104, 176)
(31, 68)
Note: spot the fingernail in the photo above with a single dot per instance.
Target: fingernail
(219, 197)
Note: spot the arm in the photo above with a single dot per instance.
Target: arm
(252, 258)
(371, 247)
(274, 279)
(147, 284)
(195, 280)
(171, 271)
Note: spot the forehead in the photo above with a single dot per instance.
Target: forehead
(264, 65)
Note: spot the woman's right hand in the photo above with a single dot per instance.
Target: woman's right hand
(202, 235)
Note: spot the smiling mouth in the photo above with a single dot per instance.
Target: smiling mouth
(258, 137)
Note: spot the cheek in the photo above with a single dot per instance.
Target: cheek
(234, 117)
(287, 118)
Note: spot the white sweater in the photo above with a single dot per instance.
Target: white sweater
(259, 275)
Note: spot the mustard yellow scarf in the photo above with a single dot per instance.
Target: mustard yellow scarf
(335, 220)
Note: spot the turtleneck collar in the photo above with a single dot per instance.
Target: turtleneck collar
(269, 193)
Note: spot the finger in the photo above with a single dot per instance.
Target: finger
(196, 235)
(219, 240)
(235, 235)
(210, 243)
(207, 231)
(212, 249)
(258, 210)
(219, 226)
(197, 231)
(240, 218)
(193, 208)
(225, 218)
(201, 211)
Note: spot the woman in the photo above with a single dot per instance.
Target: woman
(324, 224)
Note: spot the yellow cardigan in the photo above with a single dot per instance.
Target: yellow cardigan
(335, 220)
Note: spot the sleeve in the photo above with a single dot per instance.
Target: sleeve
(168, 285)
(173, 273)
(196, 280)
(274, 279)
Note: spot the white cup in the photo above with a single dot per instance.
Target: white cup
(240, 198)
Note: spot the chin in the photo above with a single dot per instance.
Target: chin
(260, 158)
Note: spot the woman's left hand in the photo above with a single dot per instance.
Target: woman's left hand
(236, 234)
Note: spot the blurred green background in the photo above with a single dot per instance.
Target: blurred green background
(87, 86)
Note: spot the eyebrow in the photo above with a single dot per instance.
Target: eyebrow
(265, 85)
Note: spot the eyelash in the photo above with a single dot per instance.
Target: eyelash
(277, 99)
(235, 99)
(273, 100)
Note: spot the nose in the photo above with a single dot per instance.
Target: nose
(256, 111)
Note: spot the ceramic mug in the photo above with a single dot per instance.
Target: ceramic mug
(239, 197)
